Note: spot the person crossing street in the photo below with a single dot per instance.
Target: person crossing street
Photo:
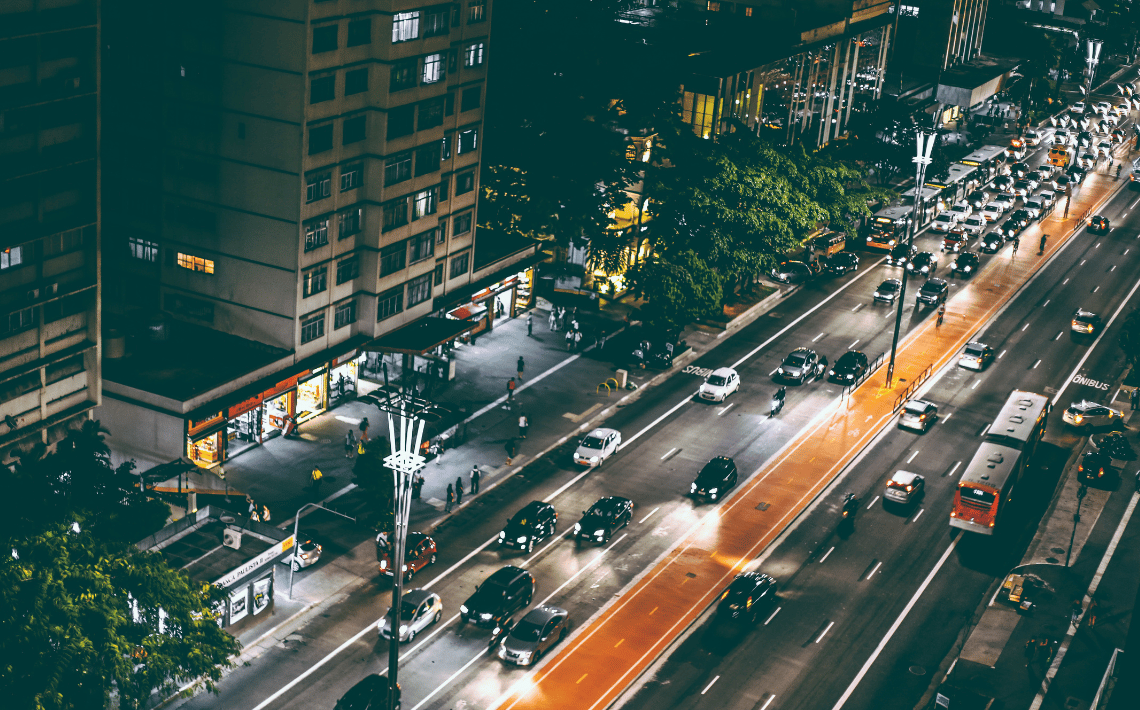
(315, 477)
(524, 425)
(521, 365)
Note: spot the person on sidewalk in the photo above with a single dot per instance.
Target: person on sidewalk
(1016, 243)
(1030, 651)
(450, 499)
(552, 320)
(520, 365)
(252, 505)
(524, 424)
(1044, 239)
(265, 513)
(417, 486)
(458, 491)
(315, 477)
(529, 325)
(511, 390)
(475, 476)
(512, 449)
(349, 444)
(1134, 397)
(364, 429)
(569, 340)
(577, 340)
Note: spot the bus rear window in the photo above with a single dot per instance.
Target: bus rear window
(977, 496)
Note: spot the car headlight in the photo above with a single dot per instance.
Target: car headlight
(522, 539)
(577, 527)
(713, 491)
(967, 268)
(925, 269)
(593, 459)
(485, 617)
(403, 629)
(831, 372)
(693, 488)
(850, 377)
(463, 609)
(1078, 418)
(599, 533)
(524, 656)
(502, 535)
(383, 564)
(403, 568)
(780, 370)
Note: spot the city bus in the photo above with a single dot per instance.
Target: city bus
(988, 483)
(888, 227)
(988, 160)
(959, 181)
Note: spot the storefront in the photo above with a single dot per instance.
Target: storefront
(344, 378)
(245, 426)
(205, 440)
(278, 411)
(311, 395)
(504, 299)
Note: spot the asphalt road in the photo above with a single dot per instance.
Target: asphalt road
(847, 609)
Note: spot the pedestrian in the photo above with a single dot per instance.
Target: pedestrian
(529, 325)
(1135, 398)
(252, 505)
(1068, 199)
(417, 486)
(1075, 612)
(524, 424)
(265, 513)
(552, 320)
(577, 339)
(1030, 651)
(574, 325)
(364, 429)
(475, 476)
(349, 444)
(520, 367)
(1051, 651)
(1044, 238)
(602, 340)
(511, 390)
(315, 477)
(1090, 615)
(458, 492)
(360, 447)
(253, 518)
(569, 340)
(512, 449)
(450, 498)
(1016, 243)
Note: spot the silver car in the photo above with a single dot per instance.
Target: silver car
(597, 446)
(420, 609)
(534, 635)
(918, 415)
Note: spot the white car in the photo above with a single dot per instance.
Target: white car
(306, 552)
(1119, 110)
(1104, 150)
(720, 383)
(1086, 413)
(1078, 107)
(1060, 139)
(1046, 170)
(904, 488)
(944, 222)
(918, 415)
(1086, 161)
(962, 209)
(974, 224)
(992, 211)
(1033, 137)
(1033, 206)
(1102, 107)
(597, 446)
(419, 610)
(1005, 201)
(1047, 197)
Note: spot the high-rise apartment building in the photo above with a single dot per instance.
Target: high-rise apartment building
(288, 180)
(49, 221)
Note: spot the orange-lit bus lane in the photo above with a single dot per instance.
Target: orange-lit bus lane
(598, 663)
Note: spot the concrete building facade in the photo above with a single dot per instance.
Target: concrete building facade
(49, 221)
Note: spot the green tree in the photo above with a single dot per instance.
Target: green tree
(678, 289)
(376, 483)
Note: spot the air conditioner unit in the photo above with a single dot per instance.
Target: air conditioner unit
(232, 538)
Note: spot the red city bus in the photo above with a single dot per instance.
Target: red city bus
(988, 483)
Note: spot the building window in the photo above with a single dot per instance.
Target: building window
(443, 185)
(473, 55)
(462, 223)
(315, 281)
(316, 234)
(406, 26)
(23, 318)
(445, 148)
(441, 237)
(349, 222)
(460, 265)
(403, 75)
(427, 159)
(468, 140)
(476, 11)
(351, 176)
(438, 276)
(195, 263)
(392, 258)
(318, 187)
(395, 214)
(353, 130)
(437, 22)
(312, 328)
(433, 69)
(401, 121)
(347, 270)
(419, 290)
(344, 314)
(360, 32)
(356, 81)
(465, 183)
(322, 89)
(390, 303)
(320, 139)
(421, 246)
(470, 99)
(431, 113)
(424, 203)
(140, 249)
(324, 38)
(697, 110)
(714, 6)
(64, 242)
(397, 169)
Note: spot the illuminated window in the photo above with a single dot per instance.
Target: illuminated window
(433, 69)
(697, 110)
(11, 258)
(143, 249)
(476, 11)
(406, 26)
(195, 263)
(473, 55)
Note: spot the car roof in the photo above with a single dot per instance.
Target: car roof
(417, 596)
(1082, 313)
(533, 507)
(609, 502)
(852, 354)
(1085, 404)
(906, 478)
(723, 371)
(719, 461)
(507, 574)
(801, 350)
(893, 282)
(602, 432)
(542, 614)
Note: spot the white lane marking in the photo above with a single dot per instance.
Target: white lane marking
(768, 702)
(545, 546)
(857, 308)
(917, 515)
(1046, 303)
(852, 345)
(976, 383)
(912, 456)
(1064, 282)
(710, 685)
(668, 453)
(1089, 351)
(648, 515)
(817, 337)
(773, 372)
(1097, 246)
(1035, 365)
(1125, 252)
(656, 421)
(1024, 327)
(825, 632)
(722, 410)
(1058, 336)
(1133, 205)
(955, 468)
(821, 559)
(1096, 289)
(450, 678)
(895, 626)
(569, 483)
(773, 616)
(874, 569)
(1002, 353)
(872, 502)
(1082, 262)
(1113, 268)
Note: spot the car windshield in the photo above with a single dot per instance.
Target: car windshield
(929, 288)
(527, 631)
(888, 286)
(520, 519)
(407, 611)
(493, 590)
(944, 218)
(592, 442)
(795, 360)
(715, 380)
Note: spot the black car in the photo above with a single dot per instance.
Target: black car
(749, 595)
(1098, 225)
(1020, 218)
(1086, 322)
(1018, 170)
(965, 264)
(901, 255)
(716, 478)
(842, 263)
(888, 291)
(1095, 466)
(1002, 183)
(500, 595)
(922, 263)
(604, 517)
(1116, 446)
(848, 368)
(1084, 139)
(992, 242)
(369, 694)
(801, 365)
(792, 272)
(977, 198)
(932, 293)
(533, 523)
(1077, 174)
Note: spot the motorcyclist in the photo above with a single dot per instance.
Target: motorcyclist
(781, 392)
(850, 506)
(778, 400)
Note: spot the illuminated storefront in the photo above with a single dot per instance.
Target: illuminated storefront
(311, 393)
(204, 440)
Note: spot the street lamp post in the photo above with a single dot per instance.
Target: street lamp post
(1091, 60)
(922, 159)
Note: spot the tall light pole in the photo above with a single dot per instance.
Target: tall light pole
(1092, 58)
(924, 146)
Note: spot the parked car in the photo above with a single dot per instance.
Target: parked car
(792, 272)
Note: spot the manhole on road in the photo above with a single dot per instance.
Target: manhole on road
(917, 670)
(1058, 550)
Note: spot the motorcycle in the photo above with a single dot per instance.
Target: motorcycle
(777, 402)
(850, 506)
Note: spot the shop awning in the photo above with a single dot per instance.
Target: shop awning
(421, 336)
(463, 293)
